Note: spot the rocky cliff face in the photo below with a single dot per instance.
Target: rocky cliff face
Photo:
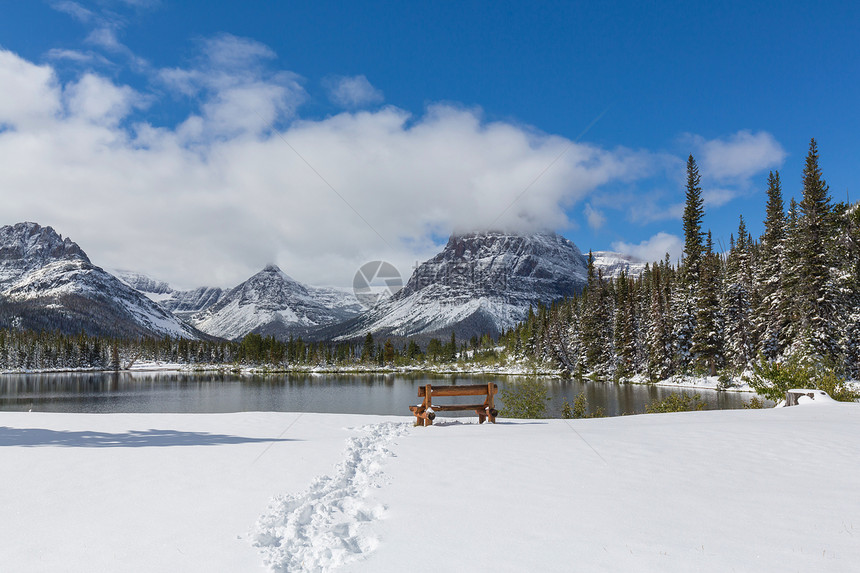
(26, 247)
(480, 282)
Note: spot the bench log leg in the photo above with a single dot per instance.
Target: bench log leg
(423, 417)
(491, 403)
(419, 414)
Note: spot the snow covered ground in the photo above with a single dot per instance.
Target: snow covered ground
(731, 490)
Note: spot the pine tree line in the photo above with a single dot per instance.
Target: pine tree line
(44, 350)
(22, 350)
(792, 292)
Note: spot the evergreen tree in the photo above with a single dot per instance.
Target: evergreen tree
(772, 315)
(389, 351)
(659, 333)
(849, 245)
(596, 323)
(737, 301)
(816, 288)
(574, 349)
(707, 347)
(368, 350)
(790, 264)
(694, 211)
(686, 298)
(625, 344)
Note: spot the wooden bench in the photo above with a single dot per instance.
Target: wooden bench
(425, 412)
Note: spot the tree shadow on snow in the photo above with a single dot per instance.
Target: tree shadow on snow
(30, 437)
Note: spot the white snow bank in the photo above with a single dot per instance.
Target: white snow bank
(743, 490)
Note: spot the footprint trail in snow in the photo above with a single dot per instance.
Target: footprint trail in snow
(323, 527)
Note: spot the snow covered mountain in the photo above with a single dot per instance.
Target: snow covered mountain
(186, 303)
(479, 283)
(612, 264)
(273, 304)
(142, 283)
(49, 283)
(182, 303)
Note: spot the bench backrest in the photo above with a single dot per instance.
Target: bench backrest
(468, 390)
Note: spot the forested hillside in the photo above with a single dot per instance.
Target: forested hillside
(793, 292)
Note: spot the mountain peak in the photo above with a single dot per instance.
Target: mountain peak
(272, 303)
(49, 282)
(28, 246)
(479, 283)
(273, 275)
(494, 262)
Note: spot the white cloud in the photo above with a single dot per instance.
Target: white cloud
(77, 57)
(728, 167)
(181, 81)
(229, 52)
(352, 91)
(643, 206)
(250, 108)
(30, 93)
(737, 157)
(654, 248)
(105, 20)
(717, 197)
(105, 37)
(215, 198)
(240, 95)
(74, 10)
(97, 100)
(595, 218)
(140, 3)
(651, 212)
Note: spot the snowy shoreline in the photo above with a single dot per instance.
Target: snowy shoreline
(679, 381)
(322, 492)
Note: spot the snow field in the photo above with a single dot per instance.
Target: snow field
(322, 527)
(153, 492)
(743, 490)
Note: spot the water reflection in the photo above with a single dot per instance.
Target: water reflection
(334, 393)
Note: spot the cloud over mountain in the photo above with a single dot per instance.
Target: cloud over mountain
(240, 179)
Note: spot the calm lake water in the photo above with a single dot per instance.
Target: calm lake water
(356, 394)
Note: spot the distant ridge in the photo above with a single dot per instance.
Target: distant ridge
(49, 283)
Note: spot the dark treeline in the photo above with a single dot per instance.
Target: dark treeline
(791, 292)
(32, 350)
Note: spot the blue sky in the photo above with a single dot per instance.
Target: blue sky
(397, 123)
